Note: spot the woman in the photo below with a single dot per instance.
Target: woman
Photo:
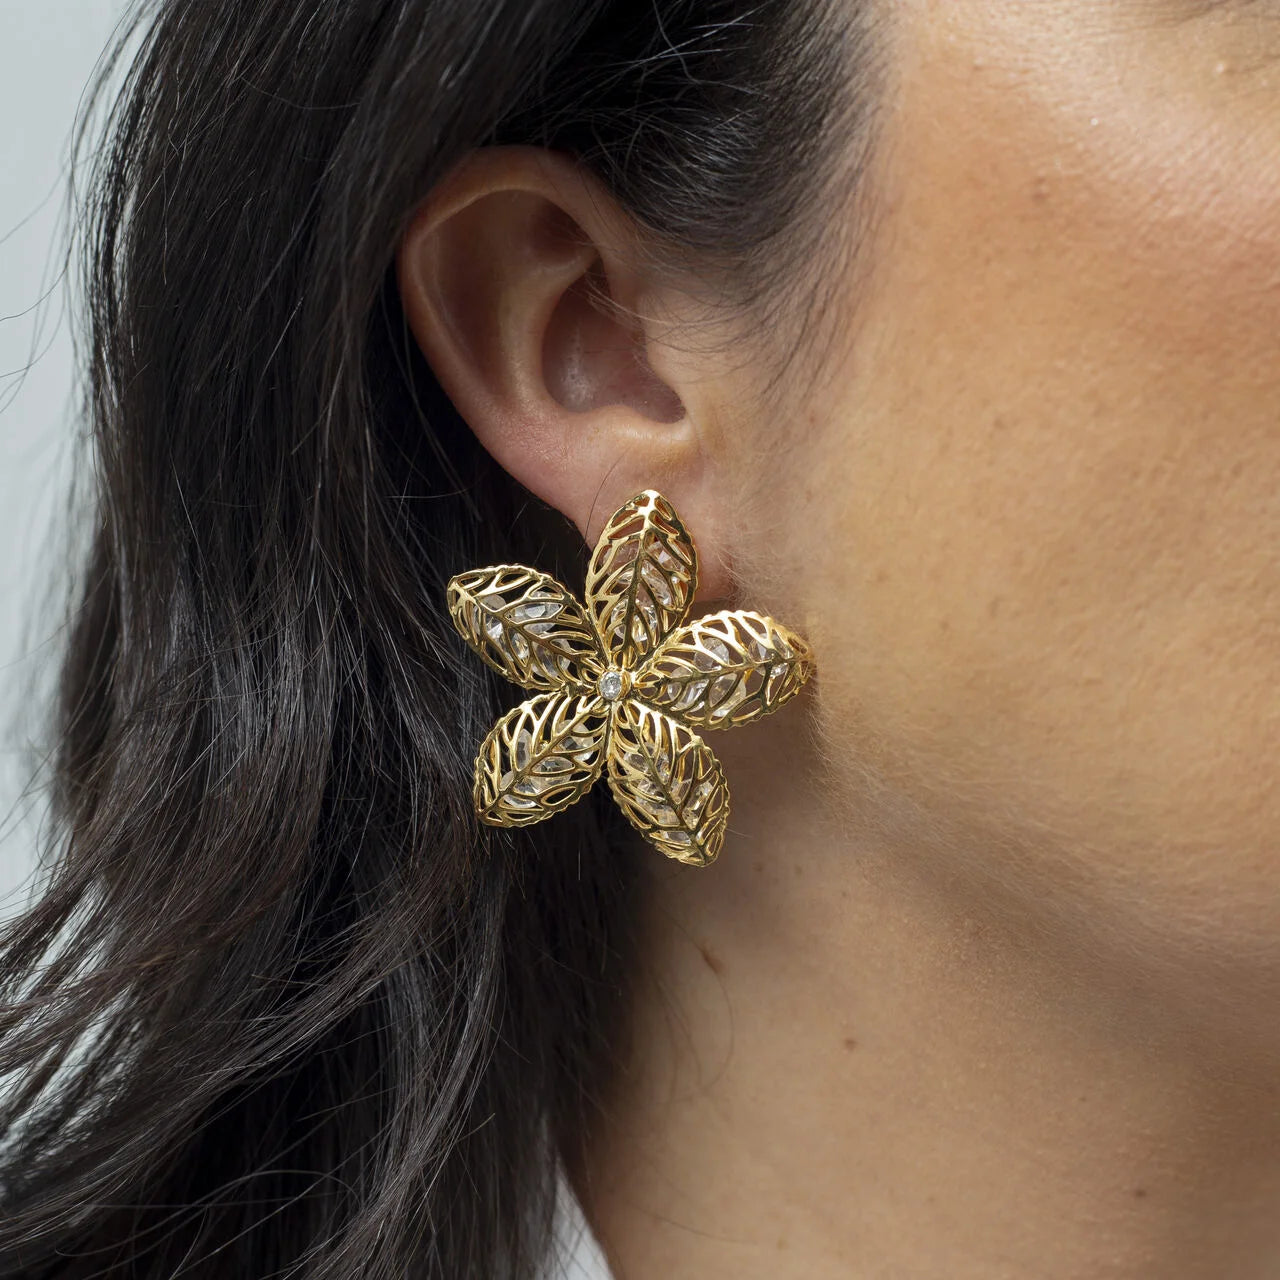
(948, 329)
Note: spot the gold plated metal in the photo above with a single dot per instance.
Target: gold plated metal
(624, 684)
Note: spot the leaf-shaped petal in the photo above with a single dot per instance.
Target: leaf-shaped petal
(526, 626)
(668, 782)
(642, 578)
(540, 758)
(725, 669)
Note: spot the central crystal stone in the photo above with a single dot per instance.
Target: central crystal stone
(610, 686)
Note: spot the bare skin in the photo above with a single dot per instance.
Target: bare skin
(986, 981)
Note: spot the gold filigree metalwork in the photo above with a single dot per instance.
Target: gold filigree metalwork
(624, 684)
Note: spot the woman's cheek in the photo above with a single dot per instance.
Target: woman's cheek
(1039, 536)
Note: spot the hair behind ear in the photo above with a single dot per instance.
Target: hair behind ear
(285, 1007)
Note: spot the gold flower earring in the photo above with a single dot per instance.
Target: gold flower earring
(626, 681)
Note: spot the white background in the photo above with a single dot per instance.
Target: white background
(48, 52)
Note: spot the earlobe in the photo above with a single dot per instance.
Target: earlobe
(516, 281)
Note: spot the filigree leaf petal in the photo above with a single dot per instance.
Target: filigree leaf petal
(668, 782)
(526, 626)
(642, 578)
(725, 669)
(540, 758)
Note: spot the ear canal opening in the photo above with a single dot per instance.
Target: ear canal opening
(593, 354)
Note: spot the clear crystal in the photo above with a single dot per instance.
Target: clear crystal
(701, 793)
(657, 583)
(611, 686)
(694, 692)
(722, 690)
(531, 610)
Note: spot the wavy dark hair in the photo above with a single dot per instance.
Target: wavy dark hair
(283, 1008)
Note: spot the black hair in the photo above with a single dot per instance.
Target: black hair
(284, 1008)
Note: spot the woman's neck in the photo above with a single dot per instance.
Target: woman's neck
(840, 1070)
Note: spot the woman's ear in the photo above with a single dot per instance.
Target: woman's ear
(518, 277)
